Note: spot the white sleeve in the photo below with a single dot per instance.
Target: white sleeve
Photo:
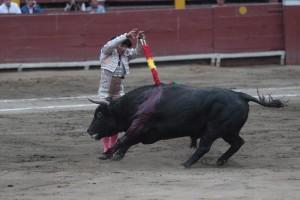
(136, 52)
(112, 44)
(18, 10)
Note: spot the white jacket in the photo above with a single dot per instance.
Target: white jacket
(109, 59)
(109, 56)
(13, 9)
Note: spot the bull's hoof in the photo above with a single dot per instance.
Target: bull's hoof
(117, 157)
(221, 162)
(184, 166)
(103, 156)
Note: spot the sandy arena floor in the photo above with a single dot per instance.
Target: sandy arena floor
(45, 152)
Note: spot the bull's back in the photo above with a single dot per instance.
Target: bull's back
(185, 111)
(178, 110)
(194, 100)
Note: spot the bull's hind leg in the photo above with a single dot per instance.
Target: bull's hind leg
(236, 142)
(204, 147)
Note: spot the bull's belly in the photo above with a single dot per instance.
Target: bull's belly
(170, 132)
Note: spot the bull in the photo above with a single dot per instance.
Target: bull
(152, 113)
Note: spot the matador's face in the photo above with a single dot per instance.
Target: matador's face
(121, 49)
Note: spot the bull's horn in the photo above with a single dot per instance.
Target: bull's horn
(99, 101)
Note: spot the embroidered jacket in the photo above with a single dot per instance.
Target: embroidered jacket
(109, 56)
(109, 60)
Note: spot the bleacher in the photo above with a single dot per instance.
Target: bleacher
(54, 6)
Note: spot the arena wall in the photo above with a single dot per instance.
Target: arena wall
(202, 30)
(292, 31)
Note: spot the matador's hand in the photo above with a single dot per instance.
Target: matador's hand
(131, 33)
(140, 35)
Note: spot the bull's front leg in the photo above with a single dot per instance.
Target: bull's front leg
(109, 153)
(118, 151)
(119, 155)
(126, 143)
(131, 137)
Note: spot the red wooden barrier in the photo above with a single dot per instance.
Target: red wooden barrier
(78, 37)
(260, 29)
(292, 32)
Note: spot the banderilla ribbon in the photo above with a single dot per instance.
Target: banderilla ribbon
(150, 61)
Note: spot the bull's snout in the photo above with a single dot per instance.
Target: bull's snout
(90, 132)
(93, 135)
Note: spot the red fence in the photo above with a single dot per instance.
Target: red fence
(78, 37)
(260, 29)
(292, 33)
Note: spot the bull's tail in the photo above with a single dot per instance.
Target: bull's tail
(262, 100)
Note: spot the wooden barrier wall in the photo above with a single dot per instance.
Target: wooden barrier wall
(78, 37)
(292, 31)
(259, 29)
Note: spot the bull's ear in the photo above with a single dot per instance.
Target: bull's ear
(99, 101)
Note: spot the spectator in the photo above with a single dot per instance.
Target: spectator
(95, 7)
(220, 2)
(31, 7)
(8, 7)
(74, 5)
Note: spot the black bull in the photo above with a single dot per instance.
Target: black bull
(152, 113)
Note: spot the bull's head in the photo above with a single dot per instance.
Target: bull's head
(104, 123)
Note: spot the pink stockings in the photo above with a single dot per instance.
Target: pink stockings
(109, 142)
